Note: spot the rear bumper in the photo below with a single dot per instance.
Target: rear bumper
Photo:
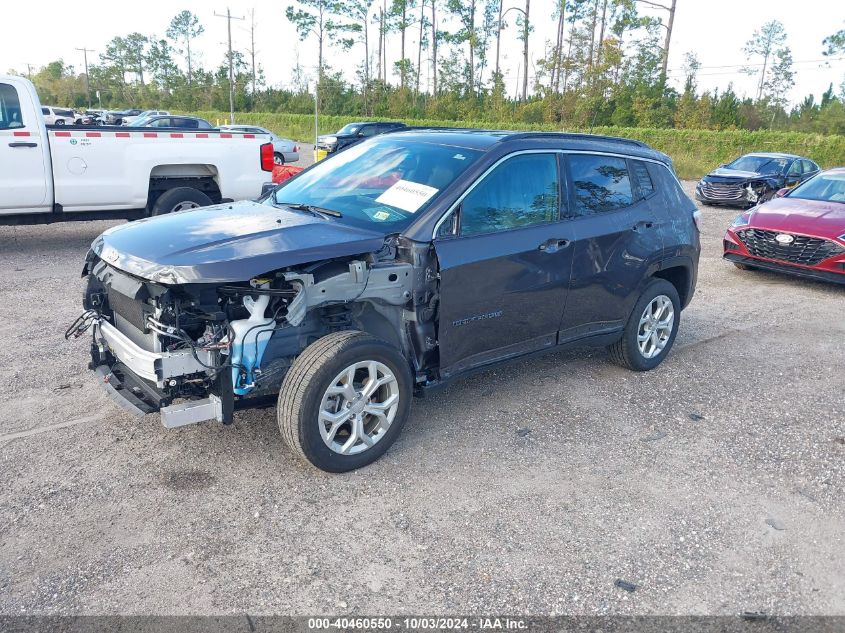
(808, 273)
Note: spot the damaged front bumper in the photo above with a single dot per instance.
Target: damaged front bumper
(134, 378)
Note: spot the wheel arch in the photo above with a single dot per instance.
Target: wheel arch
(680, 275)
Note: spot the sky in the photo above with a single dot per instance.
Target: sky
(715, 30)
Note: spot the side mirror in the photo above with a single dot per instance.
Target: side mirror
(781, 192)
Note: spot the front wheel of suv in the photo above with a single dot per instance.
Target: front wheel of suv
(344, 401)
(651, 328)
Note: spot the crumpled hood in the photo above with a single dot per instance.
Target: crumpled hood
(227, 243)
(721, 173)
(808, 217)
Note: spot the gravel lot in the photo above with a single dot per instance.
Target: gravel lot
(715, 483)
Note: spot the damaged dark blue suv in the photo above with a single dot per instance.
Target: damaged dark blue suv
(387, 269)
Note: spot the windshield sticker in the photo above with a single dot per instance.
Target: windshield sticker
(381, 215)
(406, 195)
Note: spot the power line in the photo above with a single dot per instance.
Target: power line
(229, 19)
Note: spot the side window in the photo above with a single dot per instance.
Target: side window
(601, 183)
(522, 191)
(809, 166)
(795, 168)
(160, 123)
(45, 111)
(368, 130)
(191, 124)
(10, 107)
(642, 179)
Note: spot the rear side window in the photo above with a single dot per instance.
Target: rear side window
(45, 111)
(522, 191)
(642, 179)
(10, 108)
(809, 166)
(601, 183)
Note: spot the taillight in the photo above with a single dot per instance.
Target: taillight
(296, 149)
(267, 157)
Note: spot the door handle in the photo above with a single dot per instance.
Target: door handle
(643, 224)
(553, 245)
(23, 144)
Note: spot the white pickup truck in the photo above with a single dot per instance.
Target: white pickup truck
(82, 173)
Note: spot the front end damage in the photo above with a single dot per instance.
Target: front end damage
(197, 351)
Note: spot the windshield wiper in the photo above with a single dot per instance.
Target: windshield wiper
(312, 209)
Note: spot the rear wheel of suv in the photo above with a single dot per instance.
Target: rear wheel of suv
(651, 328)
(344, 401)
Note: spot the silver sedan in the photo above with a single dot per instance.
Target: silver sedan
(284, 150)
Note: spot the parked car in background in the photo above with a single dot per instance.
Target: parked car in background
(352, 134)
(801, 231)
(396, 266)
(91, 117)
(130, 119)
(284, 150)
(753, 178)
(61, 174)
(172, 121)
(113, 117)
(58, 116)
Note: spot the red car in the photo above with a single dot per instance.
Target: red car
(800, 232)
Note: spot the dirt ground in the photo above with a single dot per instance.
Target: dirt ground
(714, 483)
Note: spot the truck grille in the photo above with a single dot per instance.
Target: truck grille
(807, 251)
(722, 190)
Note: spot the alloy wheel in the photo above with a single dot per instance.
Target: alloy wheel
(655, 328)
(358, 407)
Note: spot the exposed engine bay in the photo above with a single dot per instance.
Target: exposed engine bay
(199, 351)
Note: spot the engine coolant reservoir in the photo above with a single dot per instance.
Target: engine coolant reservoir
(249, 342)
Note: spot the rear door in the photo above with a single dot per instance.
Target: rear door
(504, 267)
(23, 152)
(619, 225)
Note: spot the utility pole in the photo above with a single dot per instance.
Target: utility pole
(29, 71)
(229, 19)
(85, 52)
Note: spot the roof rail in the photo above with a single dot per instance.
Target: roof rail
(577, 135)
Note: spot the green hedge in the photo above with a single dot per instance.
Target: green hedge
(695, 152)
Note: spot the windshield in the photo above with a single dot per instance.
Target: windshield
(349, 128)
(759, 164)
(825, 187)
(378, 184)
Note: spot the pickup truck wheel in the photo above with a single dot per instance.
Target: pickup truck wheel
(60, 121)
(344, 401)
(179, 199)
(278, 159)
(651, 328)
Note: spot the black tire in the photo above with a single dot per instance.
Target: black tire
(625, 352)
(60, 121)
(305, 384)
(278, 158)
(179, 199)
